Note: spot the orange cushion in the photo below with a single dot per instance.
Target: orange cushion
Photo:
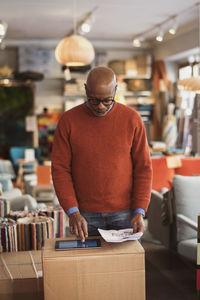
(190, 166)
(162, 175)
(43, 175)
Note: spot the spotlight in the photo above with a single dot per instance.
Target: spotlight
(197, 58)
(137, 42)
(191, 59)
(159, 36)
(173, 28)
(85, 27)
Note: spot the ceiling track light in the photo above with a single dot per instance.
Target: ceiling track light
(85, 28)
(172, 29)
(160, 35)
(174, 26)
(137, 43)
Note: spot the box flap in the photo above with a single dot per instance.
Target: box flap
(19, 265)
(128, 247)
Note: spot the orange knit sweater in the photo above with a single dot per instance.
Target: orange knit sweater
(101, 164)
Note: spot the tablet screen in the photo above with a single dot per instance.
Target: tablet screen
(74, 244)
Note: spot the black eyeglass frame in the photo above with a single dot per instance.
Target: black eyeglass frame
(96, 101)
(106, 101)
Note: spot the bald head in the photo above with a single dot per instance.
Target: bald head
(100, 86)
(101, 78)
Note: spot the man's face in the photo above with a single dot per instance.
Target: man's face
(100, 99)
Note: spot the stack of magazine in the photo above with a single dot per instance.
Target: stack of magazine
(33, 231)
(4, 207)
(59, 219)
(8, 235)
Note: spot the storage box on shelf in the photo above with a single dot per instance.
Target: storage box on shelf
(140, 66)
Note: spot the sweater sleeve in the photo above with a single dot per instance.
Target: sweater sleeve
(61, 166)
(142, 169)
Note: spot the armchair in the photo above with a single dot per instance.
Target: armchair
(188, 247)
(172, 216)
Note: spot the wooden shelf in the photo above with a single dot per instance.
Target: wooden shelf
(134, 77)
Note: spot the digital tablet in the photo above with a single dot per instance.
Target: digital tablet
(77, 244)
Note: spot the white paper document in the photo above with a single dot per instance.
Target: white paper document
(119, 236)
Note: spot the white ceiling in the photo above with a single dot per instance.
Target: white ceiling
(114, 19)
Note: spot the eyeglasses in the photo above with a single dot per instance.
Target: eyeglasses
(106, 101)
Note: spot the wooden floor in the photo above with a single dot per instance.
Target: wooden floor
(168, 276)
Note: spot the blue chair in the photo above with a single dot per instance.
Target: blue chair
(19, 152)
(23, 167)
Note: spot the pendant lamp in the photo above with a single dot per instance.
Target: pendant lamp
(3, 29)
(192, 83)
(74, 50)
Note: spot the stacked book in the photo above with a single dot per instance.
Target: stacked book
(27, 230)
(4, 207)
(16, 214)
(8, 235)
(33, 231)
(56, 213)
(59, 219)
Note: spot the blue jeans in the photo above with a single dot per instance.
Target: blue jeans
(116, 220)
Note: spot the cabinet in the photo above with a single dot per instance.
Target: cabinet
(46, 127)
(137, 93)
(16, 103)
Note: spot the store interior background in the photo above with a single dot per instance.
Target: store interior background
(35, 29)
(114, 26)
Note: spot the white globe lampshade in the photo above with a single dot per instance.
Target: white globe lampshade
(74, 50)
(190, 84)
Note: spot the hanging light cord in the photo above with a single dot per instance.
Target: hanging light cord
(74, 16)
(76, 24)
(199, 24)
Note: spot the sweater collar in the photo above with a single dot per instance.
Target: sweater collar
(88, 106)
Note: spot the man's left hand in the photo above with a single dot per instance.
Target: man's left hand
(137, 223)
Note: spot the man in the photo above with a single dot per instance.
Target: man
(101, 166)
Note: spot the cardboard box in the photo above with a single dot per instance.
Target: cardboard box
(29, 288)
(20, 276)
(115, 271)
(18, 265)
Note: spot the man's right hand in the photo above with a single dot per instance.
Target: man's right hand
(78, 225)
